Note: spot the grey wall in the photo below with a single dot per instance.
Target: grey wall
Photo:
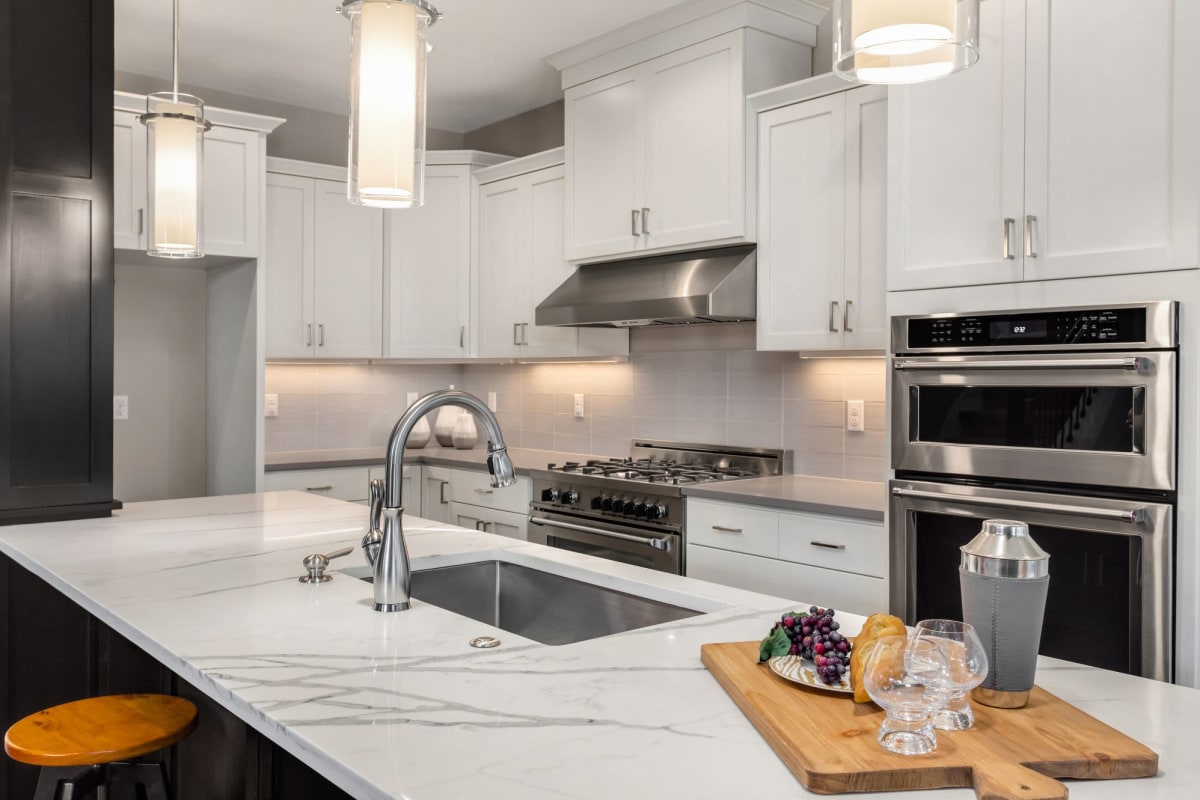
(531, 132)
(308, 135)
(159, 356)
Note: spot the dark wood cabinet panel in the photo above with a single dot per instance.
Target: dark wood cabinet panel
(56, 254)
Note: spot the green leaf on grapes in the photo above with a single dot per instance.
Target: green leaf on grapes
(776, 644)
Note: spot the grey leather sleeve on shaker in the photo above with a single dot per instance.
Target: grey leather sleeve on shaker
(1007, 613)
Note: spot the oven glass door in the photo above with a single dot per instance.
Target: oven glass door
(629, 545)
(1110, 577)
(1086, 418)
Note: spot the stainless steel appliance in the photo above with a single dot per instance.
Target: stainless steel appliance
(632, 509)
(1062, 418)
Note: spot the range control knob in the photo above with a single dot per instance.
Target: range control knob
(639, 509)
(597, 501)
(628, 506)
(570, 497)
(656, 511)
(606, 503)
(549, 495)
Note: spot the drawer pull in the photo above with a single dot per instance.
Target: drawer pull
(319, 489)
(484, 491)
(723, 529)
(827, 546)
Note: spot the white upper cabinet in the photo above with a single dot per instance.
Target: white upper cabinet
(655, 130)
(822, 167)
(1050, 158)
(234, 165)
(428, 272)
(324, 268)
(519, 261)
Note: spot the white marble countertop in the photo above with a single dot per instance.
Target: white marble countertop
(397, 705)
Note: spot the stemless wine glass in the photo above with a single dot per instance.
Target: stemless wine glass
(968, 663)
(910, 679)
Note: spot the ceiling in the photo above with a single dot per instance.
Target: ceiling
(487, 64)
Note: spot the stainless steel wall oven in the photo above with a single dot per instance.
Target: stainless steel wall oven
(1065, 419)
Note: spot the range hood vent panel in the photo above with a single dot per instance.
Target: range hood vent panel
(678, 289)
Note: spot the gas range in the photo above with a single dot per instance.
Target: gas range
(632, 509)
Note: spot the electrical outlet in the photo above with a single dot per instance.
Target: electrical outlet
(271, 405)
(410, 398)
(492, 402)
(854, 416)
(578, 406)
(120, 406)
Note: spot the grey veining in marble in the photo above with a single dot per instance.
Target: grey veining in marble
(398, 705)
(863, 499)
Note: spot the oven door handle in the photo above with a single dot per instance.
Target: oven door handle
(1131, 515)
(657, 544)
(1133, 363)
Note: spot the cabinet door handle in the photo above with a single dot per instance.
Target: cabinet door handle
(525, 333)
(724, 529)
(308, 335)
(634, 223)
(318, 488)
(846, 318)
(1010, 225)
(516, 333)
(827, 546)
(484, 491)
(833, 310)
(442, 493)
(462, 335)
(645, 222)
(481, 526)
(141, 221)
(1030, 236)
(321, 335)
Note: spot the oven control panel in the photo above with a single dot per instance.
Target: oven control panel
(609, 504)
(1118, 326)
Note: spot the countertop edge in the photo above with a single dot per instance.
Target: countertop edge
(784, 504)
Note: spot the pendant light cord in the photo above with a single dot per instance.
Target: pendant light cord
(175, 55)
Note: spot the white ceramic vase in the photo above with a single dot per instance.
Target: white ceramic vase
(419, 437)
(465, 434)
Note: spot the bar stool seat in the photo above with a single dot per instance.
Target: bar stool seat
(100, 733)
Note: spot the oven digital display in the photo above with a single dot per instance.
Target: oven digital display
(1022, 329)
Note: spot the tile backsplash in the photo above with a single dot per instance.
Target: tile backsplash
(736, 397)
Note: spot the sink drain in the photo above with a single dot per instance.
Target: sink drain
(484, 642)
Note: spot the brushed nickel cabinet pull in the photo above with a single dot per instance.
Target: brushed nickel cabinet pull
(828, 546)
(442, 493)
(846, 318)
(833, 310)
(634, 222)
(484, 491)
(321, 335)
(308, 335)
(724, 529)
(141, 221)
(645, 222)
(462, 335)
(1031, 236)
(516, 333)
(525, 333)
(318, 489)
(1009, 225)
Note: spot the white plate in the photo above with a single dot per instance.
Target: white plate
(804, 672)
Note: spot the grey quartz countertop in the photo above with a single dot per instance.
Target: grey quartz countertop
(524, 460)
(863, 499)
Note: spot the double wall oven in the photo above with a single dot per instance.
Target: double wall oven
(1062, 418)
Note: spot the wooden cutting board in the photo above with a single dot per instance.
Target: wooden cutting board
(828, 741)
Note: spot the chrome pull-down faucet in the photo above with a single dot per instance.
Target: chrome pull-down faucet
(393, 572)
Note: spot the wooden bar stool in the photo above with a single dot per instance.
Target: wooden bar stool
(99, 735)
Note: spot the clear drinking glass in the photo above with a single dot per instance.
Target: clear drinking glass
(910, 679)
(968, 662)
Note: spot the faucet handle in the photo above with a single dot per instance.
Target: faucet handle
(317, 563)
(374, 535)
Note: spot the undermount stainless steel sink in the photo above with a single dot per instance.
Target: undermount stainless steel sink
(538, 605)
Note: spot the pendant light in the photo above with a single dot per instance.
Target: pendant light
(175, 127)
(904, 41)
(387, 101)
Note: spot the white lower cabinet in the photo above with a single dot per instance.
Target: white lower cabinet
(466, 498)
(814, 558)
(410, 487)
(340, 483)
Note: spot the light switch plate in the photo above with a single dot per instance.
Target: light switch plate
(271, 405)
(492, 402)
(854, 416)
(120, 406)
(578, 406)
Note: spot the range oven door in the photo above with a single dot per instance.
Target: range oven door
(1111, 571)
(1099, 419)
(629, 544)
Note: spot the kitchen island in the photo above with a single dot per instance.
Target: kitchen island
(399, 705)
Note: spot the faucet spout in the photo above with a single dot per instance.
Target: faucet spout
(393, 574)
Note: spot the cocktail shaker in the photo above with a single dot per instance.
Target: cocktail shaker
(1004, 576)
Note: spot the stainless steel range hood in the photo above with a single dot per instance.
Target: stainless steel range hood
(677, 289)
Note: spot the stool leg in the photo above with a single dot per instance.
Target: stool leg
(150, 776)
(68, 783)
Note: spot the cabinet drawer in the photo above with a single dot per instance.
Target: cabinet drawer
(474, 487)
(341, 483)
(833, 543)
(857, 594)
(411, 487)
(504, 523)
(733, 527)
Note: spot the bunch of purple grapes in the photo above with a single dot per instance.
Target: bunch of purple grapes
(815, 636)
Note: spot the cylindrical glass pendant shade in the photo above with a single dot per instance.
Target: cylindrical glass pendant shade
(175, 128)
(387, 102)
(904, 41)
